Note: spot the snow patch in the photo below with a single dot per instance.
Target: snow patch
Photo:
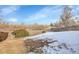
(68, 42)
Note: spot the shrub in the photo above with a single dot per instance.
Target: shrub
(43, 31)
(20, 33)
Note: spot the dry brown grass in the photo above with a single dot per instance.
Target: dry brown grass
(13, 47)
(33, 29)
(34, 32)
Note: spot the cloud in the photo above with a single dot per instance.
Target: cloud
(46, 12)
(13, 20)
(77, 8)
(40, 14)
(5, 10)
(37, 16)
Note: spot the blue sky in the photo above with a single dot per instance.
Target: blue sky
(30, 14)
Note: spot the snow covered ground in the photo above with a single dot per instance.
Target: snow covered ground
(67, 42)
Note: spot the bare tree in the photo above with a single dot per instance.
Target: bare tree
(51, 24)
(66, 16)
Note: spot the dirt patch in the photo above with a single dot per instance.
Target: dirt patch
(3, 36)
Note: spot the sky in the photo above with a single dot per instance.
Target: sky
(30, 14)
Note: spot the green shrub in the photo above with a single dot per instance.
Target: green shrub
(43, 31)
(20, 33)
